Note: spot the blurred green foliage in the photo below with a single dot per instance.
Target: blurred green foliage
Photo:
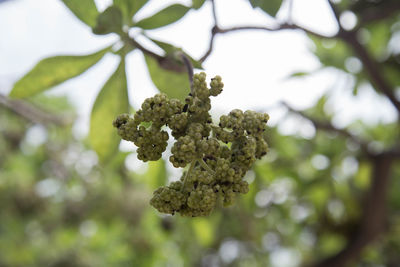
(63, 204)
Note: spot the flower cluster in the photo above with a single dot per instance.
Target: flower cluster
(217, 156)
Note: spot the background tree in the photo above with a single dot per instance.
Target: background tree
(328, 201)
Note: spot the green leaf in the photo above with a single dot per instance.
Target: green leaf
(109, 21)
(204, 231)
(52, 71)
(271, 7)
(298, 74)
(331, 52)
(129, 8)
(156, 175)
(85, 10)
(164, 17)
(171, 49)
(196, 4)
(111, 101)
(380, 36)
(174, 84)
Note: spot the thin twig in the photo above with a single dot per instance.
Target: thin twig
(214, 31)
(290, 12)
(210, 45)
(214, 12)
(134, 43)
(191, 166)
(372, 67)
(206, 167)
(285, 26)
(189, 67)
(327, 126)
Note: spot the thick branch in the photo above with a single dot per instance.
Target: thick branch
(385, 11)
(373, 219)
(335, 12)
(372, 67)
(32, 113)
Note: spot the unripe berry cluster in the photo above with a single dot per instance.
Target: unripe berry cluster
(218, 156)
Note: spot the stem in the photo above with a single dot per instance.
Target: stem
(191, 166)
(189, 68)
(206, 167)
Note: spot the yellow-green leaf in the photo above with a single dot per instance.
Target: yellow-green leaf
(204, 231)
(174, 84)
(156, 175)
(111, 101)
(85, 10)
(52, 71)
(196, 4)
(164, 17)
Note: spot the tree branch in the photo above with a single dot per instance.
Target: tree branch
(371, 14)
(372, 67)
(33, 113)
(327, 126)
(189, 68)
(373, 220)
(130, 40)
(335, 12)
(285, 26)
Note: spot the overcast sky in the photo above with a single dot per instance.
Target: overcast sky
(254, 65)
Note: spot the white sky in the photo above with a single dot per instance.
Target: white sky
(253, 64)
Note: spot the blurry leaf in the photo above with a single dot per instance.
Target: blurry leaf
(204, 231)
(164, 17)
(111, 101)
(109, 21)
(298, 74)
(392, 69)
(196, 4)
(271, 7)
(156, 175)
(380, 35)
(53, 104)
(318, 195)
(129, 8)
(86, 10)
(362, 178)
(329, 243)
(318, 111)
(174, 84)
(170, 49)
(331, 52)
(52, 71)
